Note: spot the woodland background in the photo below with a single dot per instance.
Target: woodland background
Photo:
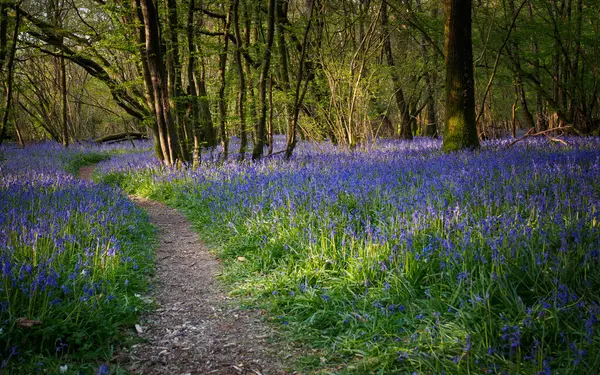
(348, 71)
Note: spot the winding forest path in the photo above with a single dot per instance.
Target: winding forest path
(196, 329)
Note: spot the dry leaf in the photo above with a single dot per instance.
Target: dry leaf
(28, 323)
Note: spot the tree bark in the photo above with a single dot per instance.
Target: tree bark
(460, 130)
(262, 89)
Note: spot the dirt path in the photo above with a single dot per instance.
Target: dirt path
(196, 329)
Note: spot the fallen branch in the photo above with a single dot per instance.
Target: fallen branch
(530, 133)
(558, 140)
(126, 136)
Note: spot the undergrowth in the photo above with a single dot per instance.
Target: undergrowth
(74, 262)
(401, 259)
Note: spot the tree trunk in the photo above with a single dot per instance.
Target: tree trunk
(166, 129)
(270, 120)
(430, 78)
(524, 107)
(174, 79)
(513, 115)
(64, 109)
(241, 78)
(194, 105)
(460, 130)
(9, 71)
(222, 104)
(206, 123)
(405, 118)
(262, 89)
(207, 133)
(251, 97)
(513, 50)
(284, 74)
(149, 93)
(299, 96)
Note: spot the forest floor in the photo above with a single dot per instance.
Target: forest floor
(196, 329)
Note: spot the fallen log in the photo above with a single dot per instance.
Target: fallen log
(120, 137)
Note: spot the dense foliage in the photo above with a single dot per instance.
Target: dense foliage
(401, 259)
(347, 71)
(73, 257)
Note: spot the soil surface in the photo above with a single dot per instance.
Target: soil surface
(196, 329)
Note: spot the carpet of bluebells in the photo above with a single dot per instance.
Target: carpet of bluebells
(399, 259)
(73, 255)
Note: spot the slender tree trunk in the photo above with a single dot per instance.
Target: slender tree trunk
(513, 114)
(524, 106)
(430, 78)
(578, 114)
(208, 133)
(541, 123)
(270, 119)
(460, 130)
(64, 108)
(513, 50)
(281, 11)
(299, 96)
(251, 97)
(20, 139)
(206, 122)
(241, 78)
(222, 71)
(174, 80)
(194, 105)
(262, 89)
(405, 118)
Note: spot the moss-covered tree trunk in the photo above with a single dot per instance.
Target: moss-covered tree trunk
(460, 131)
